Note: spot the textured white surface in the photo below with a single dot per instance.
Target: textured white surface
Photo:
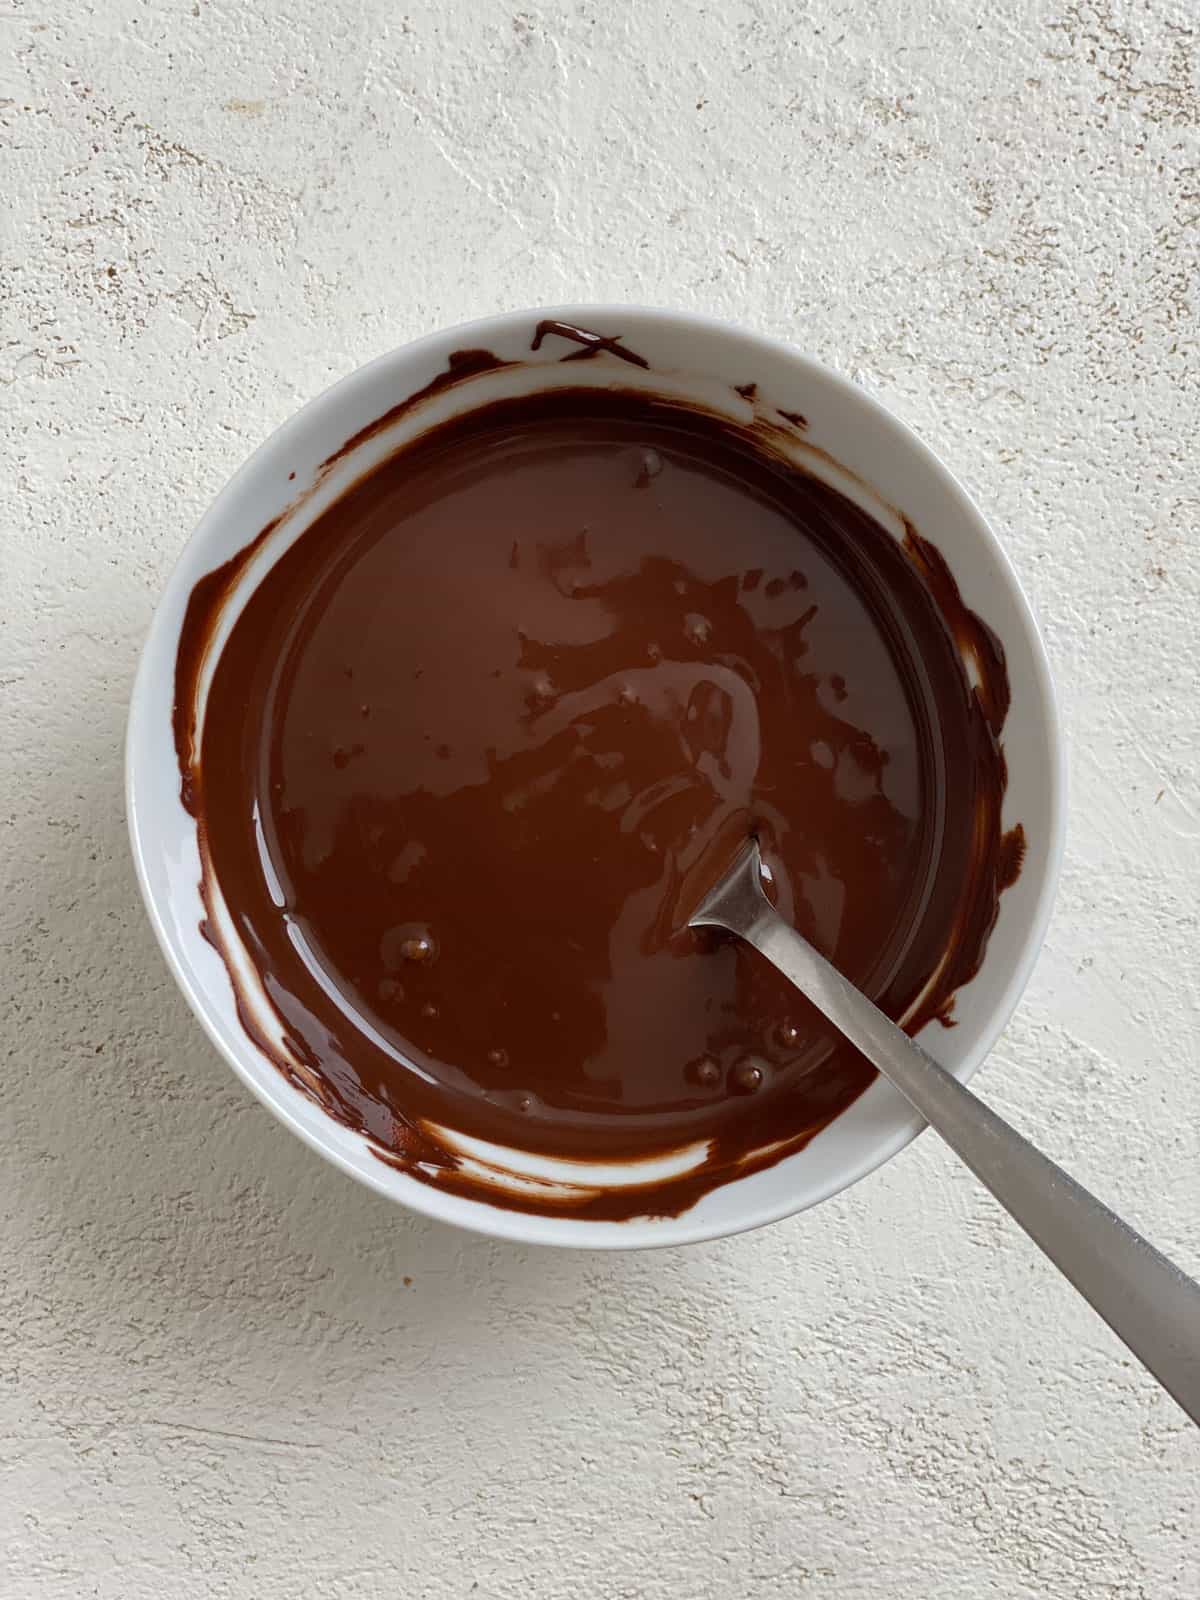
(224, 1369)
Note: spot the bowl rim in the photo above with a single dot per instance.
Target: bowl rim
(264, 1080)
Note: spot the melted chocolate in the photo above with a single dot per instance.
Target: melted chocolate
(590, 344)
(475, 726)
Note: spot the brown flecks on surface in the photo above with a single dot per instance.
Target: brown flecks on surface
(747, 390)
(208, 307)
(796, 418)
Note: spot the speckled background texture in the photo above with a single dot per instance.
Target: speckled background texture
(226, 1370)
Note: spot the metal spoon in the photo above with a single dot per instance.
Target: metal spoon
(1145, 1299)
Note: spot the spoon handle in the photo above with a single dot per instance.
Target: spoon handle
(1145, 1299)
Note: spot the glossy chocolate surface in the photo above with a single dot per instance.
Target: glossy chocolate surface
(475, 726)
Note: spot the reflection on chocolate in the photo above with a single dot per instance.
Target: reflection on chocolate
(474, 729)
(589, 344)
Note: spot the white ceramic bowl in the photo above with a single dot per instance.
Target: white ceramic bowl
(699, 359)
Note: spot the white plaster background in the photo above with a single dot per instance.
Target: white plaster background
(225, 1370)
